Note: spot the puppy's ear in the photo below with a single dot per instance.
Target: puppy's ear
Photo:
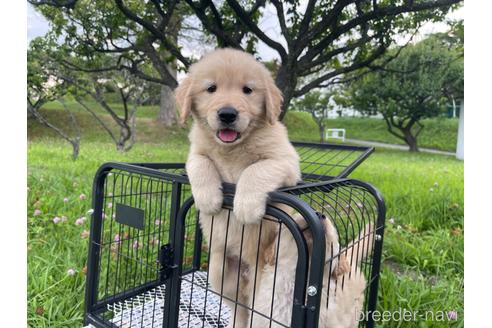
(183, 98)
(273, 100)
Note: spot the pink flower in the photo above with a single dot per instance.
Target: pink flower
(82, 197)
(136, 244)
(114, 216)
(89, 212)
(157, 222)
(360, 205)
(80, 221)
(56, 220)
(392, 221)
(452, 315)
(85, 234)
(37, 212)
(110, 205)
(65, 200)
(104, 215)
(71, 272)
(110, 194)
(117, 238)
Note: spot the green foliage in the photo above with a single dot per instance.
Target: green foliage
(417, 84)
(43, 84)
(315, 103)
(318, 105)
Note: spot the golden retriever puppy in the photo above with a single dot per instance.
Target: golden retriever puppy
(236, 138)
(342, 296)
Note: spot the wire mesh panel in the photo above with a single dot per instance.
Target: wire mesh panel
(354, 213)
(232, 258)
(313, 260)
(327, 161)
(131, 231)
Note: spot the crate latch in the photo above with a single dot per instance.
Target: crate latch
(166, 259)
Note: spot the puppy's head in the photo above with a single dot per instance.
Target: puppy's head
(229, 94)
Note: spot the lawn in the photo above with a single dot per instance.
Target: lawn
(438, 133)
(423, 251)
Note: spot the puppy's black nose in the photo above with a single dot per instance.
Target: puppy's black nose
(227, 114)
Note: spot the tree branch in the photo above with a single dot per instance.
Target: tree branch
(316, 82)
(390, 129)
(217, 28)
(279, 7)
(70, 4)
(248, 22)
(41, 119)
(323, 58)
(376, 13)
(152, 29)
(322, 26)
(104, 126)
(308, 16)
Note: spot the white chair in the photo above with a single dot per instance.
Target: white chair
(335, 134)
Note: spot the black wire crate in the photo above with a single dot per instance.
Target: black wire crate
(155, 261)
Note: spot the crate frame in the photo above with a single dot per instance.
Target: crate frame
(305, 313)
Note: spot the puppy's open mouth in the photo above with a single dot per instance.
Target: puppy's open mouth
(228, 135)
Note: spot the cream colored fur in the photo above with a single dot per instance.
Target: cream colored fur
(344, 304)
(261, 161)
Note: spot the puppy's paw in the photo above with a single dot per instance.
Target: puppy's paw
(249, 209)
(208, 201)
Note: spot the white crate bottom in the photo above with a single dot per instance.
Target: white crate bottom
(198, 307)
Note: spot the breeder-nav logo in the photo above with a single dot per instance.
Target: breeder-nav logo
(408, 315)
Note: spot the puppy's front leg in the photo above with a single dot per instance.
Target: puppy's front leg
(206, 184)
(256, 182)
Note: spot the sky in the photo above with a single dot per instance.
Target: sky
(38, 26)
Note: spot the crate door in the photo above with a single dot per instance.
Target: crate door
(130, 239)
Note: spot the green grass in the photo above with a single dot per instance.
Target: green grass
(423, 249)
(438, 133)
(143, 111)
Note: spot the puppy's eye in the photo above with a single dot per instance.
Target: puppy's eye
(247, 90)
(212, 88)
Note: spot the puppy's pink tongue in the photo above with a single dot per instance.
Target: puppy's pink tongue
(228, 135)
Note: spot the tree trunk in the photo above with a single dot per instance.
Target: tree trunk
(125, 135)
(167, 111)
(410, 139)
(321, 133)
(75, 149)
(286, 81)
